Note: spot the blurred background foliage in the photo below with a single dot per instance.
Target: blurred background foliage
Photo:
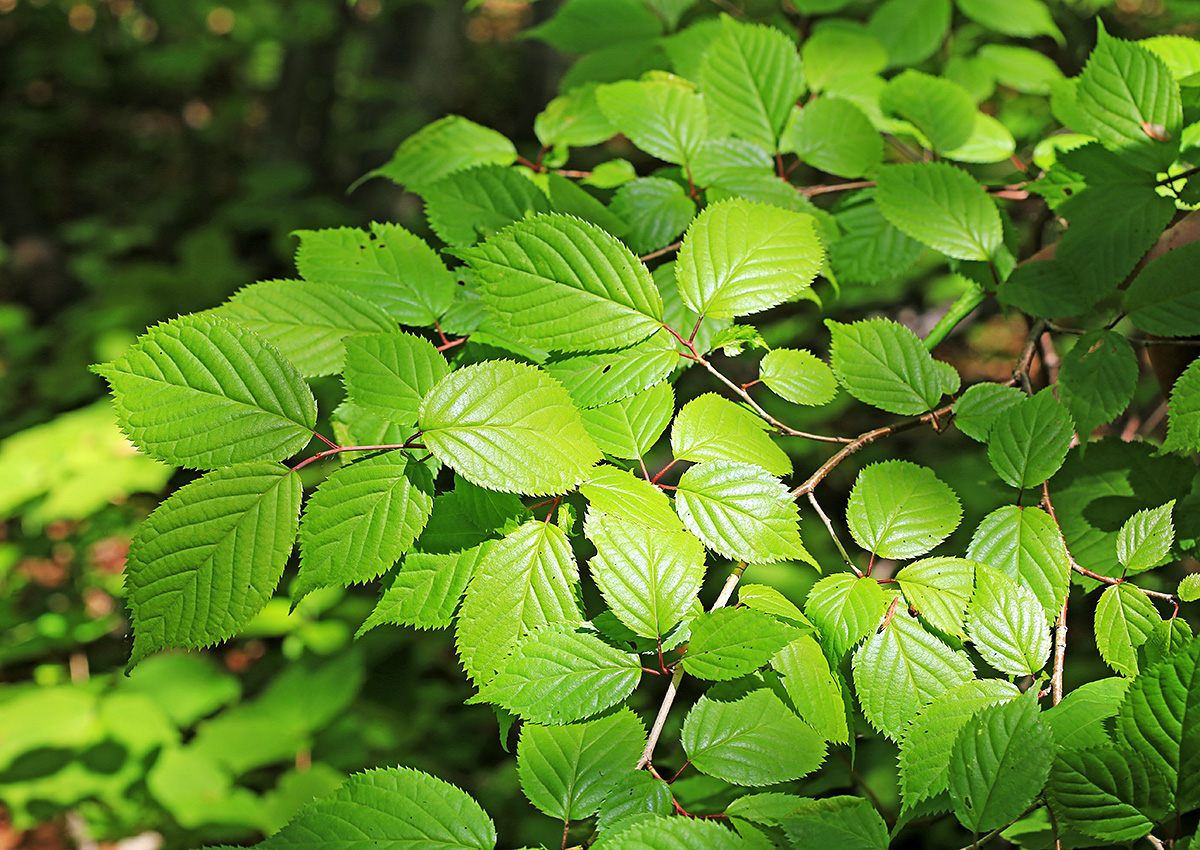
(156, 155)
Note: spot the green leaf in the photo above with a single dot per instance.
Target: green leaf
(596, 379)
(361, 520)
(910, 30)
(570, 198)
(632, 793)
(445, 146)
(202, 392)
(1189, 588)
(474, 203)
(560, 674)
(1127, 96)
(898, 509)
(1007, 624)
(976, 409)
(527, 580)
(740, 257)
(1102, 792)
(656, 209)
(664, 116)
(566, 771)
(754, 740)
(1164, 298)
(901, 668)
(731, 642)
(710, 427)
(838, 50)
(1097, 379)
(798, 376)
(1020, 18)
(1181, 53)
(581, 26)
(560, 283)
(1081, 720)
(848, 823)
(872, 250)
(469, 515)
(387, 266)
(649, 576)
(1160, 721)
(942, 206)
(999, 763)
(760, 597)
(573, 119)
(1183, 419)
(509, 427)
(1125, 619)
(675, 833)
(845, 608)
(1020, 68)
(1025, 545)
(883, 364)
(629, 427)
(1144, 541)
(624, 496)
(209, 557)
(942, 110)
(939, 589)
(1029, 441)
(734, 76)
(426, 589)
(740, 511)
(927, 742)
(990, 141)
(812, 687)
(389, 374)
(834, 135)
(306, 322)
(394, 806)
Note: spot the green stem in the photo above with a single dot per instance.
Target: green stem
(958, 311)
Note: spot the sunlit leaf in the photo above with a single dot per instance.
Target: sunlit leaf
(942, 206)
(1007, 624)
(730, 642)
(710, 427)
(883, 364)
(1125, 619)
(1029, 441)
(900, 510)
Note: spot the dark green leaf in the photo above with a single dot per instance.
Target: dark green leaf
(942, 110)
(848, 823)
(1164, 298)
(1020, 18)
(1030, 440)
(581, 26)
(1103, 792)
(656, 209)
(911, 30)
(1183, 421)
(976, 409)
(1097, 379)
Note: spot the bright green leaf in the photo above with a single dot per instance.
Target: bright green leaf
(596, 379)
(833, 135)
(939, 588)
(898, 509)
(838, 49)
(1081, 720)
(1183, 419)
(1189, 588)
(845, 608)
(389, 374)
(445, 146)
(1007, 624)
(1020, 18)
(731, 642)
(941, 206)
(813, 688)
(623, 495)
(1025, 545)
(1144, 541)
(976, 409)
(871, 250)
(798, 376)
(573, 119)
(883, 364)
(656, 209)
(665, 116)
(990, 141)
(760, 597)
(1030, 440)
(1125, 619)
(629, 427)
(710, 427)
(426, 589)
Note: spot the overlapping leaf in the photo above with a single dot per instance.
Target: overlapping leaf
(911, 30)
(632, 793)
(942, 206)
(626, 497)
(656, 209)
(710, 427)
(1144, 541)
(942, 110)
(1007, 624)
(509, 427)
(1020, 18)
(1183, 422)
(845, 608)
(798, 376)
(1097, 379)
(939, 588)
(447, 145)
(730, 642)
(203, 392)
(883, 364)
(848, 823)
(871, 249)
(1103, 792)
(1164, 298)
(1029, 441)
(898, 509)
(665, 117)
(204, 563)
(629, 427)
(1025, 545)
(389, 374)
(760, 597)
(596, 379)
(474, 203)
(976, 409)
(1125, 619)
(834, 135)
(426, 589)
(815, 692)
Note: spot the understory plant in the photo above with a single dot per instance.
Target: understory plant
(582, 423)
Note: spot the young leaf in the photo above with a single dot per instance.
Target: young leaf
(910, 30)
(900, 510)
(1029, 441)
(203, 392)
(733, 75)
(1144, 541)
(1123, 89)
(573, 120)
(927, 742)
(656, 209)
(665, 117)
(361, 520)
(999, 763)
(812, 687)
(649, 576)
(939, 588)
(624, 496)
(1103, 792)
(731, 642)
(509, 427)
(396, 806)
(834, 135)
(942, 206)
(630, 427)
(306, 322)
(389, 374)
(1160, 721)
(560, 283)
(1189, 588)
(1007, 624)
(1020, 18)
(1183, 422)
(560, 674)
(566, 771)
(798, 376)
(760, 597)
(1097, 379)
(740, 511)
(740, 257)
(527, 580)
(710, 427)
(445, 146)
(833, 54)
(942, 110)
(901, 668)
(209, 557)
(426, 589)
(1025, 545)
(474, 203)
(1164, 298)
(387, 266)
(883, 364)
(1125, 619)
(848, 823)
(596, 379)
(845, 608)
(754, 740)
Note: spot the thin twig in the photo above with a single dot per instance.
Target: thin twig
(829, 525)
(674, 246)
(810, 191)
(792, 432)
(1060, 654)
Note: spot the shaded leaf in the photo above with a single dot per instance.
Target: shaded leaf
(848, 823)
(910, 30)
(1102, 792)
(1097, 379)
(834, 135)
(1164, 298)
(656, 209)
(942, 110)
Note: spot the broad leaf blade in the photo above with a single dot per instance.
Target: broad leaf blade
(835, 136)
(731, 642)
(656, 209)
(1029, 441)
(389, 374)
(943, 207)
(664, 117)
(1144, 541)
(845, 608)
(509, 427)
(1125, 619)
(1097, 791)
(911, 30)
(798, 376)
(976, 409)
(1097, 379)
(815, 692)
(203, 392)
(1007, 624)
(848, 823)
(474, 203)
(426, 590)
(1025, 545)
(939, 589)
(626, 497)
(204, 563)
(710, 427)
(883, 364)
(1183, 421)
(942, 110)
(898, 509)
(596, 379)
(1164, 298)
(630, 427)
